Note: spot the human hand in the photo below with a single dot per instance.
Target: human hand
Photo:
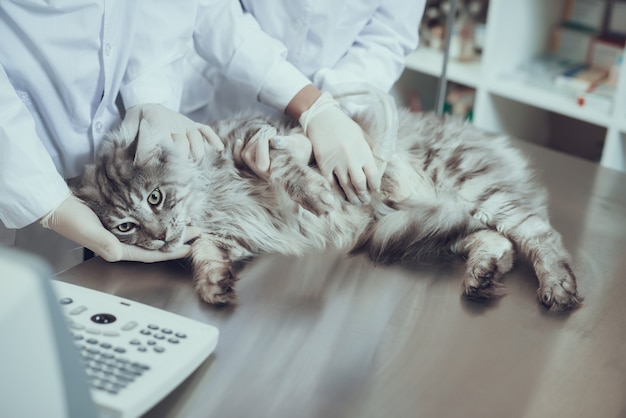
(74, 220)
(341, 149)
(256, 153)
(187, 135)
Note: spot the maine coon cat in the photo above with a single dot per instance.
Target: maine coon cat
(449, 189)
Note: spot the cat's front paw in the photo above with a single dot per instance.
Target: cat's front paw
(311, 191)
(213, 278)
(220, 293)
(558, 292)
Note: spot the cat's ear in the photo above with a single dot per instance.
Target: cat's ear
(149, 144)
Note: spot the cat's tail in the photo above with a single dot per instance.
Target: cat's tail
(417, 231)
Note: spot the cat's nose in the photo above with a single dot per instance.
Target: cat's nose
(161, 237)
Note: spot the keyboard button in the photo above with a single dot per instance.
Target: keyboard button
(66, 301)
(141, 366)
(129, 325)
(76, 326)
(78, 310)
(124, 379)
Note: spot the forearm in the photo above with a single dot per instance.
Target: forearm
(246, 53)
(30, 185)
(155, 64)
(377, 56)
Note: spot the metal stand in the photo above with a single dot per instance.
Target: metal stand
(443, 80)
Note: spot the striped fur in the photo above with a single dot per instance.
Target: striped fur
(448, 189)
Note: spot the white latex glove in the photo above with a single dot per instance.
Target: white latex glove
(187, 135)
(256, 153)
(74, 220)
(340, 149)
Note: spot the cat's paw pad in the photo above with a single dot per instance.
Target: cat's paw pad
(560, 296)
(482, 287)
(482, 280)
(220, 293)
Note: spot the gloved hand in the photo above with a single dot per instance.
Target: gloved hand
(256, 153)
(187, 135)
(340, 149)
(74, 220)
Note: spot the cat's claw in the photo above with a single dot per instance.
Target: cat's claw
(486, 290)
(559, 297)
(482, 282)
(557, 288)
(221, 293)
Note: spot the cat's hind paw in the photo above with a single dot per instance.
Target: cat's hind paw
(482, 280)
(491, 256)
(560, 295)
(483, 288)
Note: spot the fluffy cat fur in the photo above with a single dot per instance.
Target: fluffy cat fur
(448, 189)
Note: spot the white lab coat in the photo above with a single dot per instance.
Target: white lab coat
(276, 48)
(63, 64)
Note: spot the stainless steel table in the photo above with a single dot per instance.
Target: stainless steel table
(333, 336)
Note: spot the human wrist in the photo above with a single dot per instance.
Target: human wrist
(302, 101)
(326, 104)
(48, 220)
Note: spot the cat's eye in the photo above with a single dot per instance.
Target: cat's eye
(155, 197)
(126, 227)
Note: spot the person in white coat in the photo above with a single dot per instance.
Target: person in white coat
(279, 57)
(68, 71)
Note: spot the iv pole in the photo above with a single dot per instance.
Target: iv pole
(441, 88)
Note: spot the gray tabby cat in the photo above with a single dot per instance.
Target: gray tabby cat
(449, 189)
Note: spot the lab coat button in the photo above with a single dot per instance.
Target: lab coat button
(107, 49)
(99, 125)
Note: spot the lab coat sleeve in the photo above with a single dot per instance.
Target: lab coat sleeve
(30, 185)
(160, 43)
(232, 41)
(378, 54)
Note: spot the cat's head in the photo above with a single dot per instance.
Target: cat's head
(139, 188)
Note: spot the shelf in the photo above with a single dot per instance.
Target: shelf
(524, 105)
(430, 61)
(547, 100)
